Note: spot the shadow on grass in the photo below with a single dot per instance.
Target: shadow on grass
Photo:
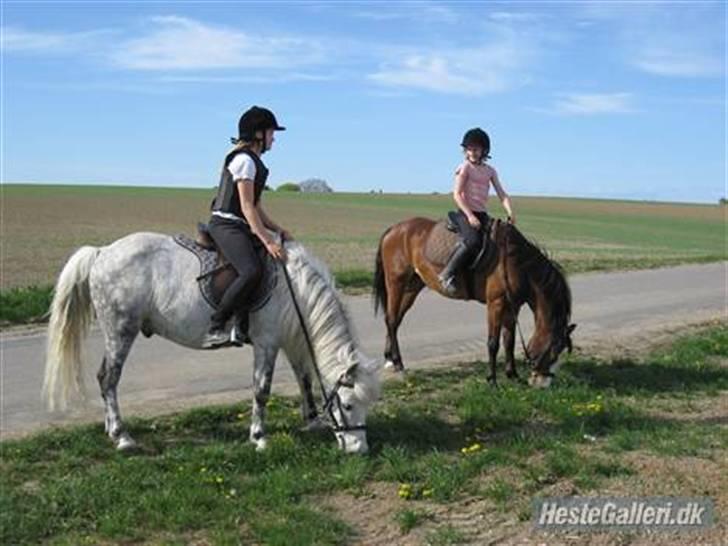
(649, 378)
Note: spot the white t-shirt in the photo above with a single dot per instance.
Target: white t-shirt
(242, 167)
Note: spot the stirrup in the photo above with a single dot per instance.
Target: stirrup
(217, 338)
(238, 337)
(448, 284)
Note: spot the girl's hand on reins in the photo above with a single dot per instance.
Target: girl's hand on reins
(286, 235)
(276, 250)
(473, 221)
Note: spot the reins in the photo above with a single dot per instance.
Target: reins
(510, 299)
(333, 396)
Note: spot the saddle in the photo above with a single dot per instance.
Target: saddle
(216, 273)
(443, 239)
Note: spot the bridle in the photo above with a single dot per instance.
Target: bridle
(332, 397)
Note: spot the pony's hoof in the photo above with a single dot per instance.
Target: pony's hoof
(393, 367)
(491, 381)
(261, 444)
(125, 443)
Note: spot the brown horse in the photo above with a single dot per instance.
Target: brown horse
(517, 272)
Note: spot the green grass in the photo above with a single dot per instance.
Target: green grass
(437, 437)
(23, 305)
(445, 535)
(408, 519)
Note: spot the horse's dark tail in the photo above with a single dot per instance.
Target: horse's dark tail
(379, 289)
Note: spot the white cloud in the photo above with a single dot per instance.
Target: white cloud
(178, 43)
(665, 39)
(514, 17)
(585, 104)
(677, 62)
(474, 71)
(418, 12)
(19, 40)
(275, 78)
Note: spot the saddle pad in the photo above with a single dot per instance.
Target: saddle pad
(208, 262)
(440, 244)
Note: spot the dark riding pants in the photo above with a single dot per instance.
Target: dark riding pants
(471, 236)
(238, 245)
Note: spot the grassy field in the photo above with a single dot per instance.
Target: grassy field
(453, 461)
(42, 225)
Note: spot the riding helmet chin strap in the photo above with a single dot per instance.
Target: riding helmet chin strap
(333, 396)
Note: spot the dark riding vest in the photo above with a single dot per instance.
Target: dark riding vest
(228, 197)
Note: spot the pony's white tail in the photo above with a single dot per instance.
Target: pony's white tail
(71, 316)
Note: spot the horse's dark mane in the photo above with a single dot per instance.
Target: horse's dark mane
(546, 273)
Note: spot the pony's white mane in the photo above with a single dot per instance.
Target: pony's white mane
(328, 323)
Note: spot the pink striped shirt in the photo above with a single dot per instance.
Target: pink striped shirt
(476, 180)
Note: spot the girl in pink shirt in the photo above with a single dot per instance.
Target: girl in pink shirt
(473, 179)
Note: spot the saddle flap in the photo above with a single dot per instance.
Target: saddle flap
(216, 274)
(442, 239)
(440, 244)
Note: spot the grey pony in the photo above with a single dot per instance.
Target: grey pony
(146, 280)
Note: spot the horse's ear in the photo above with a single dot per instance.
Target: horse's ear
(349, 376)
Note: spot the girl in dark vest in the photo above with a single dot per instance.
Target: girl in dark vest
(239, 225)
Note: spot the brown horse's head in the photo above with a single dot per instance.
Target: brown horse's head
(549, 297)
(544, 352)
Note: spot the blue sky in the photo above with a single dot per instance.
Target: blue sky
(588, 99)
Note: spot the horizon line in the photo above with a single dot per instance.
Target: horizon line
(366, 192)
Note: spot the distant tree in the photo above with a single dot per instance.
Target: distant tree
(289, 186)
(723, 201)
(315, 185)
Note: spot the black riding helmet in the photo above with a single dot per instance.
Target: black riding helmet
(477, 137)
(253, 120)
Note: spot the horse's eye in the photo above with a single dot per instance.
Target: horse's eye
(347, 407)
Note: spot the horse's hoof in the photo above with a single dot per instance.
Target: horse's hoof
(491, 381)
(261, 444)
(394, 367)
(125, 443)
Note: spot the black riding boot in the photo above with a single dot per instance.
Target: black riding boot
(447, 275)
(233, 298)
(239, 334)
